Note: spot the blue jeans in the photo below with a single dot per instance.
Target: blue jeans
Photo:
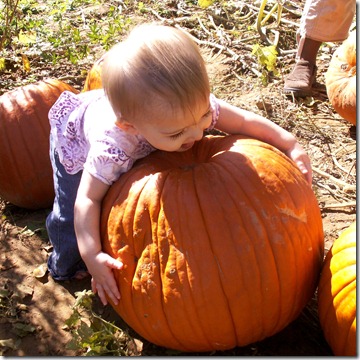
(65, 259)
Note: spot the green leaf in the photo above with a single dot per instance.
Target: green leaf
(72, 345)
(73, 319)
(84, 331)
(93, 334)
(270, 54)
(84, 298)
(267, 56)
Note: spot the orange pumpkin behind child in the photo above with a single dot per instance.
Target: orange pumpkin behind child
(340, 79)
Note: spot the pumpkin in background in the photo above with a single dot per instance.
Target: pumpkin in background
(93, 79)
(340, 79)
(337, 294)
(25, 170)
(222, 245)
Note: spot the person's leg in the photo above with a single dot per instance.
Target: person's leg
(321, 21)
(65, 261)
(327, 20)
(303, 75)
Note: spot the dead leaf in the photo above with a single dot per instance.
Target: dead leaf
(2, 64)
(4, 293)
(22, 307)
(47, 248)
(22, 291)
(22, 329)
(135, 347)
(40, 271)
(9, 343)
(26, 62)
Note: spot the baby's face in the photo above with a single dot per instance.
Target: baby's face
(177, 130)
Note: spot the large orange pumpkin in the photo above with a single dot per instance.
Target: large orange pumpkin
(222, 244)
(337, 294)
(25, 168)
(340, 79)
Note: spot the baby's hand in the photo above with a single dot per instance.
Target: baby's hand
(302, 160)
(103, 281)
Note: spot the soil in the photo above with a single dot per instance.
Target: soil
(34, 309)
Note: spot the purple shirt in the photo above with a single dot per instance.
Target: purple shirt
(85, 136)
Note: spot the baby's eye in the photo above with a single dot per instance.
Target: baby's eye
(175, 136)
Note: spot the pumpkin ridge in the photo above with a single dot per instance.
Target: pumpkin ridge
(174, 215)
(176, 343)
(241, 181)
(34, 98)
(172, 247)
(340, 302)
(206, 156)
(337, 294)
(327, 318)
(291, 214)
(130, 211)
(156, 313)
(340, 246)
(189, 274)
(248, 227)
(211, 261)
(302, 217)
(350, 339)
(341, 295)
(20, 147)
(295, 198)
(9, 134)
(200, 176)
(257, 162)
(348, 283)
(181, 196)
(287, 240)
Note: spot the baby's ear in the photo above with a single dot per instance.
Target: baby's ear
(126, 126)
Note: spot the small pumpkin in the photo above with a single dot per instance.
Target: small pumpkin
(340, 79)
(93, 78)
(222, 245)
(25, 170)
(337, 294)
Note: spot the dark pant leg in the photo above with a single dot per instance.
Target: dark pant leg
(65, 259)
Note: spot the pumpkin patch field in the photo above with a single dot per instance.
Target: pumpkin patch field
(228, 251)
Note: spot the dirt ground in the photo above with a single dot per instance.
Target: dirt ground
(33, 310)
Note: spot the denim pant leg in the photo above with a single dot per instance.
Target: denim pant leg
(65, 260)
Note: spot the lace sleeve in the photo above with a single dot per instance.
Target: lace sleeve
(215, 108)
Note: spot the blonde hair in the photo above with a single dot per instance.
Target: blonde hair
(155, 64)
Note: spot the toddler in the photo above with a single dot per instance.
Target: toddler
(156, 95)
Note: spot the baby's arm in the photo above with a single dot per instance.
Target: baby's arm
(87, 227)
(234, 120)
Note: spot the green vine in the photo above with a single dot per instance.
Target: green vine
(93, 335)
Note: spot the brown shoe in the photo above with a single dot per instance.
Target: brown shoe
(301, 79)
